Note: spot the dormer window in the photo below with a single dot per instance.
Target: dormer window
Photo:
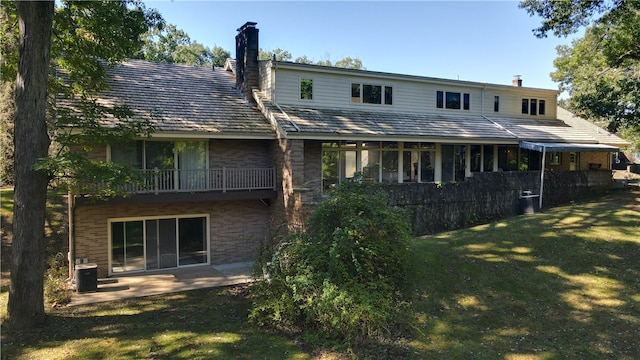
(533, 106)
(453, 100)
(371, 94)
(306, 89)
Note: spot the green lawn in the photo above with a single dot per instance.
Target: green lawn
(561, 284)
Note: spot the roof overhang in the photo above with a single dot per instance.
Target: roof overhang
(567, 147)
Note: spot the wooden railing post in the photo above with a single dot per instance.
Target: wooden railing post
(155, 180)
(224, 179)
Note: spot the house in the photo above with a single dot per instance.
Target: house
(243, 151)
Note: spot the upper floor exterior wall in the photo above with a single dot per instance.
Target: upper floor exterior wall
(330, 87)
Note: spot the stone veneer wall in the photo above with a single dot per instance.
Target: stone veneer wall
(237, 228)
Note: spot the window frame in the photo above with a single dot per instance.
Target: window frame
(303, 88)
(358, 95)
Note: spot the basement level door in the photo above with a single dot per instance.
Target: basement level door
(158, 244)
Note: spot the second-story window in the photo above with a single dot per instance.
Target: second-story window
(453, 100)
(533, 106)
(371, 94)
(306, 89)
(496, 103)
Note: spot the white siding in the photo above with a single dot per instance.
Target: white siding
(333, 90)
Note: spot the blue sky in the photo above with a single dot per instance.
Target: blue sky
(483, 41)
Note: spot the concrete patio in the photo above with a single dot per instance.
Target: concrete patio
(166, 281)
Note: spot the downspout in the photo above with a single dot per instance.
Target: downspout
(544, 155)
(71, 206)
(482, 100)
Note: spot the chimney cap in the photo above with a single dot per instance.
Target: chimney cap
(248, 24)
(517, 80)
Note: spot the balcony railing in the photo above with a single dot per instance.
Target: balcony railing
(224, 179)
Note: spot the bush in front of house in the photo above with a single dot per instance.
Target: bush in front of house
(344, 278)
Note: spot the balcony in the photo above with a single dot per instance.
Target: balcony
(198, 185)
(224, 179)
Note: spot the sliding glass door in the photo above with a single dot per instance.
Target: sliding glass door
(158, 243)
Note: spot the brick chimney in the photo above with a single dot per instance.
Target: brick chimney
(247, 59)
(517, 81)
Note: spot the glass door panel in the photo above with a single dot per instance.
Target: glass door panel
(127, 246)
(192, 163)
(153, 252)
(192, 241)
(167, 243)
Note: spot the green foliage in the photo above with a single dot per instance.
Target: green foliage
(56, 289)
(345, 276)
(88, 36)
(172, 45)
(284, 55)
(600, 71)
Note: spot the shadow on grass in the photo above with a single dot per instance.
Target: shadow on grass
(195, 324)
(561, 284)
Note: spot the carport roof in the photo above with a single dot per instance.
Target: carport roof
(567, 147)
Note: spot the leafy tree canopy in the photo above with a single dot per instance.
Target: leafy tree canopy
(87, 37)
(600, 71)
(284, 55)
(173, 45)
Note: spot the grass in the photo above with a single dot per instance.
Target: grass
(561, 284)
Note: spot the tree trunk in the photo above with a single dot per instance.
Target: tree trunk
(31, 141)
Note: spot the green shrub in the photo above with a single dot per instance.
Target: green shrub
(56, 286)
(345, 276)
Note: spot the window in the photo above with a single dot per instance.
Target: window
(453, 162)
(417, 162)
(439, 99)
(496, 103)
(388, 95)
(306, 89)
(555, 158)
(453, 100)
(377, 161)
(355, 93)
(533, 106)
(508, 158)
(371, 94)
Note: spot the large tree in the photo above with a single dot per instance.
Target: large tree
(601, 70)
(76, 40)
(31, 140)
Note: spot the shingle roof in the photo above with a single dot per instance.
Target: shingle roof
(182, 98)
(315, 122)
(385, 124)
